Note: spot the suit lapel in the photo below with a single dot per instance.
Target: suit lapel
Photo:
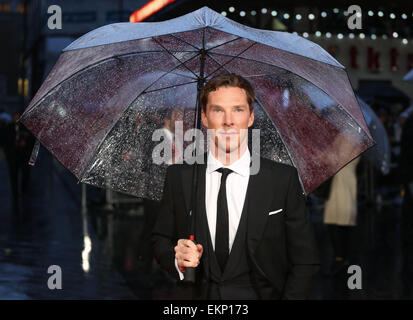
(259, 196)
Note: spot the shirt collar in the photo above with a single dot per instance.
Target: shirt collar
(240, 166)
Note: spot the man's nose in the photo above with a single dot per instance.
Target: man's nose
(228, 119)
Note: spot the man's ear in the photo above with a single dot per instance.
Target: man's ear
(251, 119)
(204, 119)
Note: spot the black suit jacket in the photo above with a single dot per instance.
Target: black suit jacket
(281, 247)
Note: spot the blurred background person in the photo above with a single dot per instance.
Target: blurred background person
(18, 145)
(340, 213)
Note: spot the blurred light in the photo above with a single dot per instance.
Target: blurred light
(305, 34)
(264, 10)
(405, 41)
(286, 16)
(148, 9)
(224, 13)
(298, 16)
(20, 86)
(273, 13)
(358, 14)
(351, 35)
(345, 13)
(61, 112)
(384, 36)
(87, 243)
(340, 36)
(362, 35)
(311, 16)
(392, 16)
(242, 13)
(335, 10)
(231, 9)
(295, 32)
(324, 14)
(404, 16)
(328, 35)
(395, 34)
(373, 36)
(23, 87)
(371, 13)
(380, 13)
(253, 13)
(317, 33)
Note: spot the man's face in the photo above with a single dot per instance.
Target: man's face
(227, 112)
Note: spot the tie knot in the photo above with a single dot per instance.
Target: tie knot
(225, 172)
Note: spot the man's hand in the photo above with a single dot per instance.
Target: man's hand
(187, 254)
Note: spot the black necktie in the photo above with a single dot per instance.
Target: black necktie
(222, 227)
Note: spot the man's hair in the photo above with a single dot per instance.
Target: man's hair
(228, 80)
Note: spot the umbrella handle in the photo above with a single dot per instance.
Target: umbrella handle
(189, 275)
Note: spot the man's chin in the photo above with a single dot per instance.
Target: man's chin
(228, 150)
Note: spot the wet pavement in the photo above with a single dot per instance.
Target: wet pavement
(98, 250)
(53, 232)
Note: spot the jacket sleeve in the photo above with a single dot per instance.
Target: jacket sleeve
(302, 248)
(164, 233)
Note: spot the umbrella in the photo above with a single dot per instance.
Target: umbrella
(409, 76)
(106, 95)
(379, 155)
(382, 92)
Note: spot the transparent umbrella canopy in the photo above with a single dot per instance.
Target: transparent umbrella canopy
(113, 88)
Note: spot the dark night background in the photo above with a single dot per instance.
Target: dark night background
(99, 249)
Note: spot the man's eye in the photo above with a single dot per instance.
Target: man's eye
(217, 110)
(240, 110)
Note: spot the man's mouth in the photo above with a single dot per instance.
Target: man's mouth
(227, 133)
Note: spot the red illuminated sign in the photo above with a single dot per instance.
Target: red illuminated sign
(149, 9)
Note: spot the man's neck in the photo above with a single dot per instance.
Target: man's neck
(228, 158)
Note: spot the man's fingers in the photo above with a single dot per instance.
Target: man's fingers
(200, 248)
(187, 264)
(187, 260)
(193, 257)
(186, 243)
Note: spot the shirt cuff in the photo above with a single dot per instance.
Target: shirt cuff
(181, 275)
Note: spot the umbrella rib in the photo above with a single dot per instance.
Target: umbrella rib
(233, 57)
(182, 63)
(95, 64)
(275, 66)
(173, 86)
(124, 111)
(224, 43)
(188, 43)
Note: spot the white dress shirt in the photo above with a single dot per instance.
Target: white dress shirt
(237, 183)
(236, 187)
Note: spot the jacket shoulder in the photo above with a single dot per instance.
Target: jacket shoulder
(277, 166)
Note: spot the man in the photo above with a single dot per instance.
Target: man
(254, 238)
